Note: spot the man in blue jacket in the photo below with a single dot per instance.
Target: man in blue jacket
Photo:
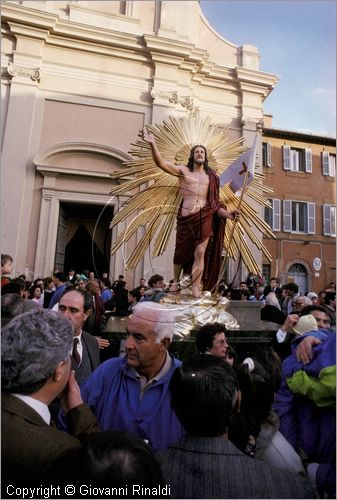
(306, 405)
(132, 393)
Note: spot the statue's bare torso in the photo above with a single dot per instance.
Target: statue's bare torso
(194, 190)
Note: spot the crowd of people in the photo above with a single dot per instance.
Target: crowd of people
(148, 425)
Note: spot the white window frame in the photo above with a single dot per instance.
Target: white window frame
(276, 215)
(308, 160)
(328, 164)
(287, 216)
(292, 158)
(286, 157)
(311, 218)
(329, 220)
(275, 209)
(310, 223)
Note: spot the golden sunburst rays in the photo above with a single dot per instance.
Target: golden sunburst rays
(251, 226)
(152, 196)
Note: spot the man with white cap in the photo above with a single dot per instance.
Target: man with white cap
(305, 324)
(313, 297)
(132, 393)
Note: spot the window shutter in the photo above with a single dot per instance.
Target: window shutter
(325, 162)
(294, 160)
(269, 149)
(308, 160)
(286, 216)
(326, 220)
(286, 158)
(276, 215)
(333, 221)
(311, 218)
(332, 165)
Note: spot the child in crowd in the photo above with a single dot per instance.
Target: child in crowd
(156, 290)
(6, 268)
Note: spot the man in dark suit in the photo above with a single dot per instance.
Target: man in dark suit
(273, 287)
(205, 464)
(76, 305)
(71, 276)
(36, 368)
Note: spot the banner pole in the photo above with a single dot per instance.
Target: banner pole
(225, 260)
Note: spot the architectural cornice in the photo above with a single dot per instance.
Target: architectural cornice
(63, 31)
(28, 15)
(47, 171)
(46, 155)
(157, 44)
(255, 81)
(17, 28)
(299, 136)
(184, 55)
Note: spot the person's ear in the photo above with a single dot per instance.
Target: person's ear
(165, 343)
(86, 315)
(59, 371)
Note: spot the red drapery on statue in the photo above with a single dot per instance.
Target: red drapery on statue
(198, 227)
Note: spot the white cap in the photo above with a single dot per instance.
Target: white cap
(305, 324)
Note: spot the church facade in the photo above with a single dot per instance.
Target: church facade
(79, 80)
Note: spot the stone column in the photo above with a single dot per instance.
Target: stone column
(46, 240)
(18, 182)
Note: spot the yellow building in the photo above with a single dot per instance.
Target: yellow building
(301, 169)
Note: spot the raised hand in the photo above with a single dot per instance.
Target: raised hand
(71, 395)
(147, 136)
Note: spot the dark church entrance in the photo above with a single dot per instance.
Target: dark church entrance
(84, 238)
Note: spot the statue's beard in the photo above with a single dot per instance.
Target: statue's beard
(199, 162)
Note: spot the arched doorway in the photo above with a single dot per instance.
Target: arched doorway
(84, 238)
(83, 254)
(77, 174)
(298, 274)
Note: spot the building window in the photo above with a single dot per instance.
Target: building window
(266, 154)
(329, 220)
(297, 268)
(272, 214)
(298, 217)
(328, 164)
(297, 160)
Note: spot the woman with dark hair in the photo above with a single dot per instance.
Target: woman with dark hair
(35, 293)
(255, 430)
(133, 299)
(121, 462)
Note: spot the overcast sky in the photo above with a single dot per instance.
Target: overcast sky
(297, 42)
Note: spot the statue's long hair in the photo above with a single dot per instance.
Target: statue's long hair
(191, 158)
